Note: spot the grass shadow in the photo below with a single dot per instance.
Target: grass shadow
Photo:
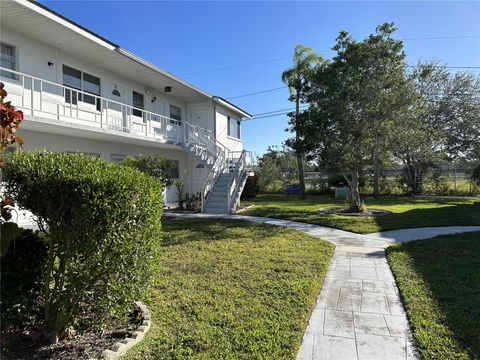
(439, 280)
(451, 214)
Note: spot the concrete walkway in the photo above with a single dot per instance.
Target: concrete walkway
(359, 314)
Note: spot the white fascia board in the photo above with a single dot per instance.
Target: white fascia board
(65, 23)
(231, 107)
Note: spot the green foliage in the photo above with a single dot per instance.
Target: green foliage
(103, 222)
(277, 169)
(251, 188)
(336, 180)
(193, 201)
(180, 188)
(232, 290)
(156, 166)
(436, 182)
(353, 99)
(21, 283)
(438, 279)
(475, 175)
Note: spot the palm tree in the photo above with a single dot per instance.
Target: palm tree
(304, 59)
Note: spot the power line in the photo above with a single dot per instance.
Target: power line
(448, 67)
(256, 93)
(237, 66)
(228, 67)
(284, 87)
(442, 37)
(275, 111)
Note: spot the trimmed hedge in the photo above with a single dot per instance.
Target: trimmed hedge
(21, 283)
(104, 233)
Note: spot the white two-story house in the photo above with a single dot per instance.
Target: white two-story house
(82, 93)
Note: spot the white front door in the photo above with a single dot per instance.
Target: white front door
(200, 172)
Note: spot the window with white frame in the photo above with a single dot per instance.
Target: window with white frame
(174, 169)
(176, 114)
(233, 127)
(138, 104)
(82, 81)
(8, 61)
(117, 157)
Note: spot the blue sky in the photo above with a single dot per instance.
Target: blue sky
(191, 39)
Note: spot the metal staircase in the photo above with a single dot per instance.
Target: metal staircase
(228, 171)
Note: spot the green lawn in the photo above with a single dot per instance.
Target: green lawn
(408, 212)
(232, 290)
(439, 280)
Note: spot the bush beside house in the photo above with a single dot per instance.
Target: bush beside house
(103, 233)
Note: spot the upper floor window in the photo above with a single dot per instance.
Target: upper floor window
(176, 114)
(81, 81)
(138, 104)
(233, 127)
(8, 61)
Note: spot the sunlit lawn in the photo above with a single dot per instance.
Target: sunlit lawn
(408, 212)
(232, 290)
(439, 280)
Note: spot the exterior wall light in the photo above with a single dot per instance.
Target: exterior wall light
(168, 89)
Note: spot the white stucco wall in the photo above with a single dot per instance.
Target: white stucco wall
(33, 57)
(221, 129)
(55, 142)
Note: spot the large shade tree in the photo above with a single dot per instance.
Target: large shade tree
(353, 100)
(443, 122)
(297, 77)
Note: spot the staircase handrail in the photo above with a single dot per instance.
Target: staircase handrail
(214, 150)
(236, 176)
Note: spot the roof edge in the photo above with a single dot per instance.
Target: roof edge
(231, 106)
(119, 50)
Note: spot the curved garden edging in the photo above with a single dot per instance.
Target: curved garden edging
(120, 348)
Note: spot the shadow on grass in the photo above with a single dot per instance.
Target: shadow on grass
(408, 212)
(181, 231)
(440, 282)
(452, 215)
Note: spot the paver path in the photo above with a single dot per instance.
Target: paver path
(359, 314)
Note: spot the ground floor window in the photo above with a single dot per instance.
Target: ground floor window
(174, 169)
(117, 157)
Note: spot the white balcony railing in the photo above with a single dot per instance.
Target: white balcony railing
(58, 103)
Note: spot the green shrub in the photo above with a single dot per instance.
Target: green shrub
(251, 188)
(21, 284)
(436, 182)
(156, 166)
(104, 230)
(339, 180)
(475, 175)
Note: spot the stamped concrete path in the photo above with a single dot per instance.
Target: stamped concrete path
(359, 314)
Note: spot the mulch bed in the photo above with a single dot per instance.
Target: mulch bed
(345, 212)
(27, 343)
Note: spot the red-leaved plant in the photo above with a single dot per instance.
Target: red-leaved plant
(10, 119)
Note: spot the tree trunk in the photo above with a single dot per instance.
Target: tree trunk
(376, 166)
(301, 169)
(356, 202)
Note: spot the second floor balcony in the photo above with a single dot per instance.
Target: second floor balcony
(49, 102)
